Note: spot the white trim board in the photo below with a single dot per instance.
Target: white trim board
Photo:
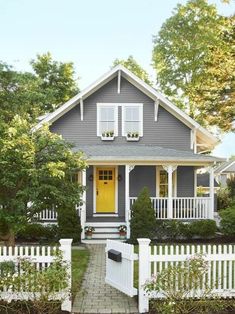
(141, 85)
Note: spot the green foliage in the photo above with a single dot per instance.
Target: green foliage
(194, 61)
(131, 64)
(203, 228)
(44, 284)
(56, 80)
(183, 297)
(143, 220)
(227, 224)
(32, 94)
(231, 187)
(38, 232)
(35, 167)
(173, 229)
(69, 223)
(223, 198)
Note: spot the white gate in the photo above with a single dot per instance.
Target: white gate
(120, 274)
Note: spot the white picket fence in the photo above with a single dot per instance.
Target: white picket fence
(42, 256)
(219, 278)
(50, 215)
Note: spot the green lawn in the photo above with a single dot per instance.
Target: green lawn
(80, 260)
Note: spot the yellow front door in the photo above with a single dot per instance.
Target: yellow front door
(105, 190)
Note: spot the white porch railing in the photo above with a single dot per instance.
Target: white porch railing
(182, 207)
(50, 215)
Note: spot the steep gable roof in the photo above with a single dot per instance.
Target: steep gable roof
(203, 135)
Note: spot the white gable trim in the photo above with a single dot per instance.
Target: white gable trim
(148, 90)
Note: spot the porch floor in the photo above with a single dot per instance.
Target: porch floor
(95, 295)
(105, 219)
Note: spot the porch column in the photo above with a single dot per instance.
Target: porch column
(127, 199)
(83, 209)
(211, 208)
(170, 169)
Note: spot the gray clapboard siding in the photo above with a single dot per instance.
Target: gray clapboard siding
(168, 131)
(185, 181)
(143, 176)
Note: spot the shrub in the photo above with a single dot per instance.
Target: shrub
(44, 284)
(223, 198)
(227, 224)
(188, 276)
(173, 229)
(69, 225)
(169, 229)
(143, 220)
(38, 232)
(203, 228)
(231, 187)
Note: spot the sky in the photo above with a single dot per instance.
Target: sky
(90, 33)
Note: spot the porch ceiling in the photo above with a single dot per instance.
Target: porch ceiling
(142, 153)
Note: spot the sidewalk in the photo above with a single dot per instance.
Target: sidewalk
(96, 296)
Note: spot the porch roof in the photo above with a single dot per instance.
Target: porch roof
(141, 153)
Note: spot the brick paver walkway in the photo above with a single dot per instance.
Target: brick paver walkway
(96, 296)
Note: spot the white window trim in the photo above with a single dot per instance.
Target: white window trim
(140, 105)
(107, 105)
(174, 181)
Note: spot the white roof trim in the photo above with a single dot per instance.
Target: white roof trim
(141, 85)
(225, 168)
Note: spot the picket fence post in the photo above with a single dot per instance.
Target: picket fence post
(66, 249)
(144, 273)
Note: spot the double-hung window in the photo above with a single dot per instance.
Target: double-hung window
(107, 119)
(132, 119)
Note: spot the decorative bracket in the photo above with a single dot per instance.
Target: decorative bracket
(131, 167)
(169, 168)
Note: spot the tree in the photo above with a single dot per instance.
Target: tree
(186, 54)
(131, 64)
(56, 80)
(32, 94)
(19, 94)
(143, 220)
(35, 173)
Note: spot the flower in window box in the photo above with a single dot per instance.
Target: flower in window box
(132, 136)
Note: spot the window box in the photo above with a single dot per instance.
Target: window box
(107, 136)
(132, 137)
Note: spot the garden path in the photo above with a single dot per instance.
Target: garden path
(95, 295)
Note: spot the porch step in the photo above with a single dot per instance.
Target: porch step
(104, 231)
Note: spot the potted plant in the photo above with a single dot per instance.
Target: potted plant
(88, 232)
(122, 231)
(107, 136)
(132, 136)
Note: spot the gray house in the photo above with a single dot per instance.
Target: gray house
(225, 171)
(134, 137)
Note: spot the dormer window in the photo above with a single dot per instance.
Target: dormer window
(132, 119)
(107, 120)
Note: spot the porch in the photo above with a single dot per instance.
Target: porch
(172, 191)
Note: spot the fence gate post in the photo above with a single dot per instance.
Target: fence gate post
(144, 273)
(65, 247)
